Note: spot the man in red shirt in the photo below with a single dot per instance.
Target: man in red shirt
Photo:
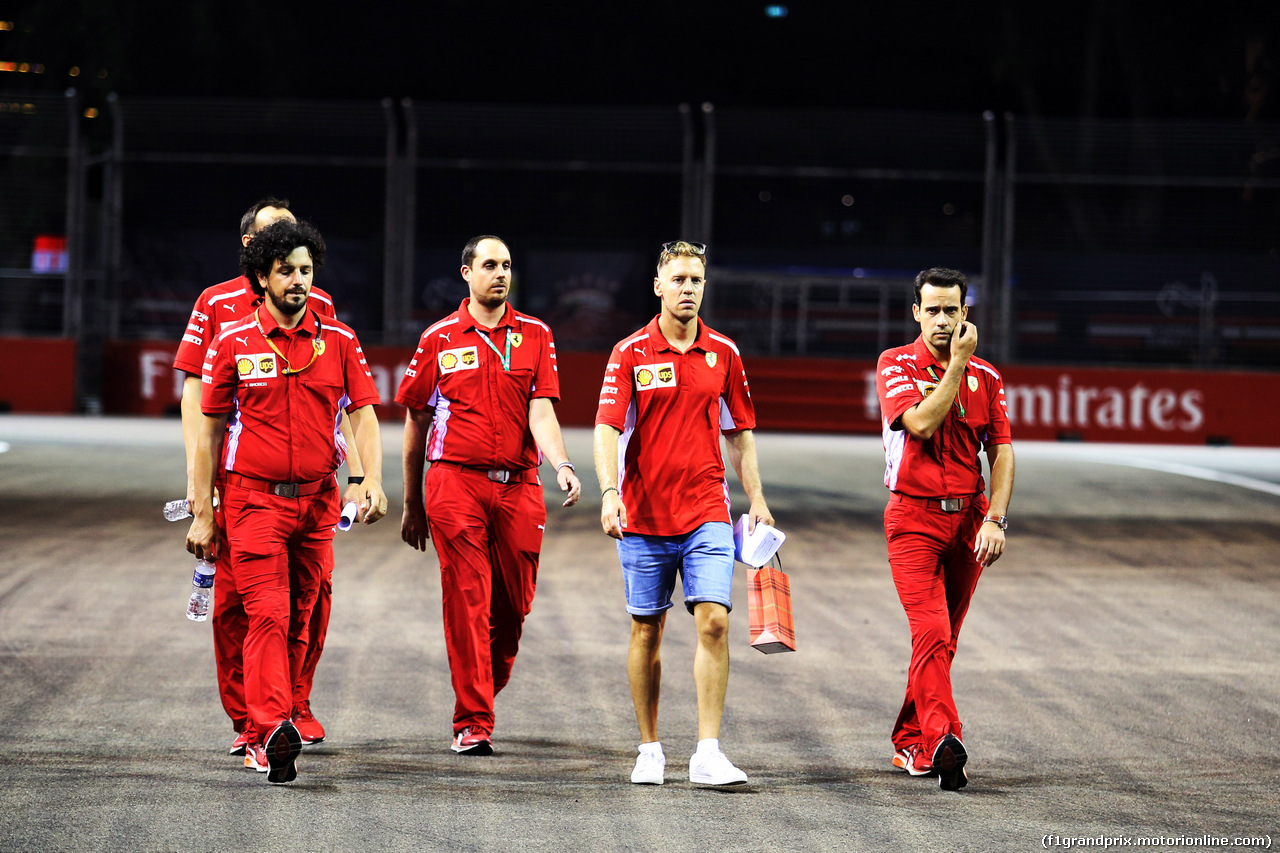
(275, 386)
(479, 392)
(670, 391)
(940, 407)
(219, 307)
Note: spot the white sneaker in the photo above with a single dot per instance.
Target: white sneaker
(711, 767)
(649, 769)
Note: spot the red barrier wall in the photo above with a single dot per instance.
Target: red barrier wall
(809, 395)
(38, 375)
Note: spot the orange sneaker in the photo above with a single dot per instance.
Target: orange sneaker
(911, 760)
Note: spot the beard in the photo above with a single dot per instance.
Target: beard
(284, 304)
(492, 300)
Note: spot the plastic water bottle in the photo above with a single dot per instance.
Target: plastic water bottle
(201, 591)
(177, 510)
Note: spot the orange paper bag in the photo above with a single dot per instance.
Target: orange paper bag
(773, 628)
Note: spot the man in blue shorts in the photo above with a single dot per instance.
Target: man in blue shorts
(670, 390)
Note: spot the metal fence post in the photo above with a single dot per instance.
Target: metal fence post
(707, 198)
(392, 288)
(72, 282)
(1006, 340)
(112, 218)
(990, 227)
(690, 187)
(409, 212)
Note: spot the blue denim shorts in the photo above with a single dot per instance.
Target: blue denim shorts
(702, 557)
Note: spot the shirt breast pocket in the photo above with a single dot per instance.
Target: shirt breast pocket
(521, 378)
(328, 390)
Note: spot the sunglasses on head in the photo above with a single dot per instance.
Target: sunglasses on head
(697, 248)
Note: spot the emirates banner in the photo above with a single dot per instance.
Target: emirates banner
(832, 395)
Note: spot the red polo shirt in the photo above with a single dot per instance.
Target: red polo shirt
(946, 465)
(221, 307)
(481, 410)
(283, 427)
(671, 408)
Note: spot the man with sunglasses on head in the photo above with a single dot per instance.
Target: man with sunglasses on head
(480, 394)
(940, 407)
(274, 389)
(670, 391)
(220, 307)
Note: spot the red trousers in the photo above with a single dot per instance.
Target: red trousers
(281, 552)
(935, 571)
(231, 623)
(488, 536)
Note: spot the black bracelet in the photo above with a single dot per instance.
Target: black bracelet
(354, 481)
(608, 490)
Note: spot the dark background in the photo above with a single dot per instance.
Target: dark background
(1105, 58)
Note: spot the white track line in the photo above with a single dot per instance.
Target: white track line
(1199, 474)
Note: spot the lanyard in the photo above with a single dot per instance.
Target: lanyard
(957, 402)
(506, 359)
(317, 346)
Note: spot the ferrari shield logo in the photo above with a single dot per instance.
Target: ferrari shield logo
(973, 383)
(319, 347)
(711, 359)
(516, 338)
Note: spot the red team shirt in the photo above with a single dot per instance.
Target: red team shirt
(946, 465)
(284, 428)
(671, 408)
(219, 308)
(482, 411)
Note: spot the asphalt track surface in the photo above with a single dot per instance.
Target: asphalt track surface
(1118, 673)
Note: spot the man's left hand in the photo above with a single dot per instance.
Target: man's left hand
(569, 483)
(371, 500)
(759, 512)
(990, 544)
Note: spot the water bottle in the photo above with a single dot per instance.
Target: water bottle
(177, 510)
(201, 591)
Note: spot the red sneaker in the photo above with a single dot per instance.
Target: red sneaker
(471, 741)
(913, 761)
(239, 745)
(308, 726)
(255, 758)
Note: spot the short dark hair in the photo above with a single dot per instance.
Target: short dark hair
(942, 277)
(275, 243)
(469, 250)
(251, 215)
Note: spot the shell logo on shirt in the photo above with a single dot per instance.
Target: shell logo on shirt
(260, 365)
(459, 358)
(926, 388)
(650, 376)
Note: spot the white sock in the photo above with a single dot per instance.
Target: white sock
(709, 744)
(652, 748)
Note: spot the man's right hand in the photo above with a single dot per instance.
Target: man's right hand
(203, 537)
(414, 529)
(613, 514)
(964, 341)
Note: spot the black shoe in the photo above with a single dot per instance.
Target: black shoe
(948, 762)
(283, 745)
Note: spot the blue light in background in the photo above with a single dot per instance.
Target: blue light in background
(775, 11)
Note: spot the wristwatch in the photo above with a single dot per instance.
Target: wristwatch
(998, 520)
